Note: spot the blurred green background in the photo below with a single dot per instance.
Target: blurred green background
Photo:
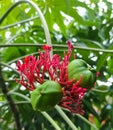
(88, 24)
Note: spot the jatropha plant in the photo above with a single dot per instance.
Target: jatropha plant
(67, 83)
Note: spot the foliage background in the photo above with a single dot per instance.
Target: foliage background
(88, 24)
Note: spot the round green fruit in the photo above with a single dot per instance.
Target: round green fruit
(79, 67)
(46, 96)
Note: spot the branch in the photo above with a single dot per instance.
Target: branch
(66, 118)
(61, 46)
(10, 101)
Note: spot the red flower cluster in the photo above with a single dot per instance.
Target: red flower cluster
(33, 71)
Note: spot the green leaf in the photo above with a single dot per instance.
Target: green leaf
(102, 59)
(10, 54)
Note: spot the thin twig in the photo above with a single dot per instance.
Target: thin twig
(4, 64)
(10, 101)
(21, 22)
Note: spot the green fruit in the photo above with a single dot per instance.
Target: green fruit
(79, 67)
(46, 96)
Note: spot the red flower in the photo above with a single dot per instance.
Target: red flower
(47, 48)
(72, 97)
(27, 71)
(33, 71)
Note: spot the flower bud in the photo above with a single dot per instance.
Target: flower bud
(77, 69)
(46, 96)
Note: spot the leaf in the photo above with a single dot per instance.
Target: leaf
(90, 43)
(10, 54)
(60, 22)
(102, 59)
(110, 64)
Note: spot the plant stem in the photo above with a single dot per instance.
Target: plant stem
(66, 118)
(61, 46)
(101, 91)
(51, 120)
(12, 61)
(16, 103)
(19, 94)
(89, 123)
(4, 64)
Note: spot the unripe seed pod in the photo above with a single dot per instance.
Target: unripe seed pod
(79, 67)
(46, 96)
